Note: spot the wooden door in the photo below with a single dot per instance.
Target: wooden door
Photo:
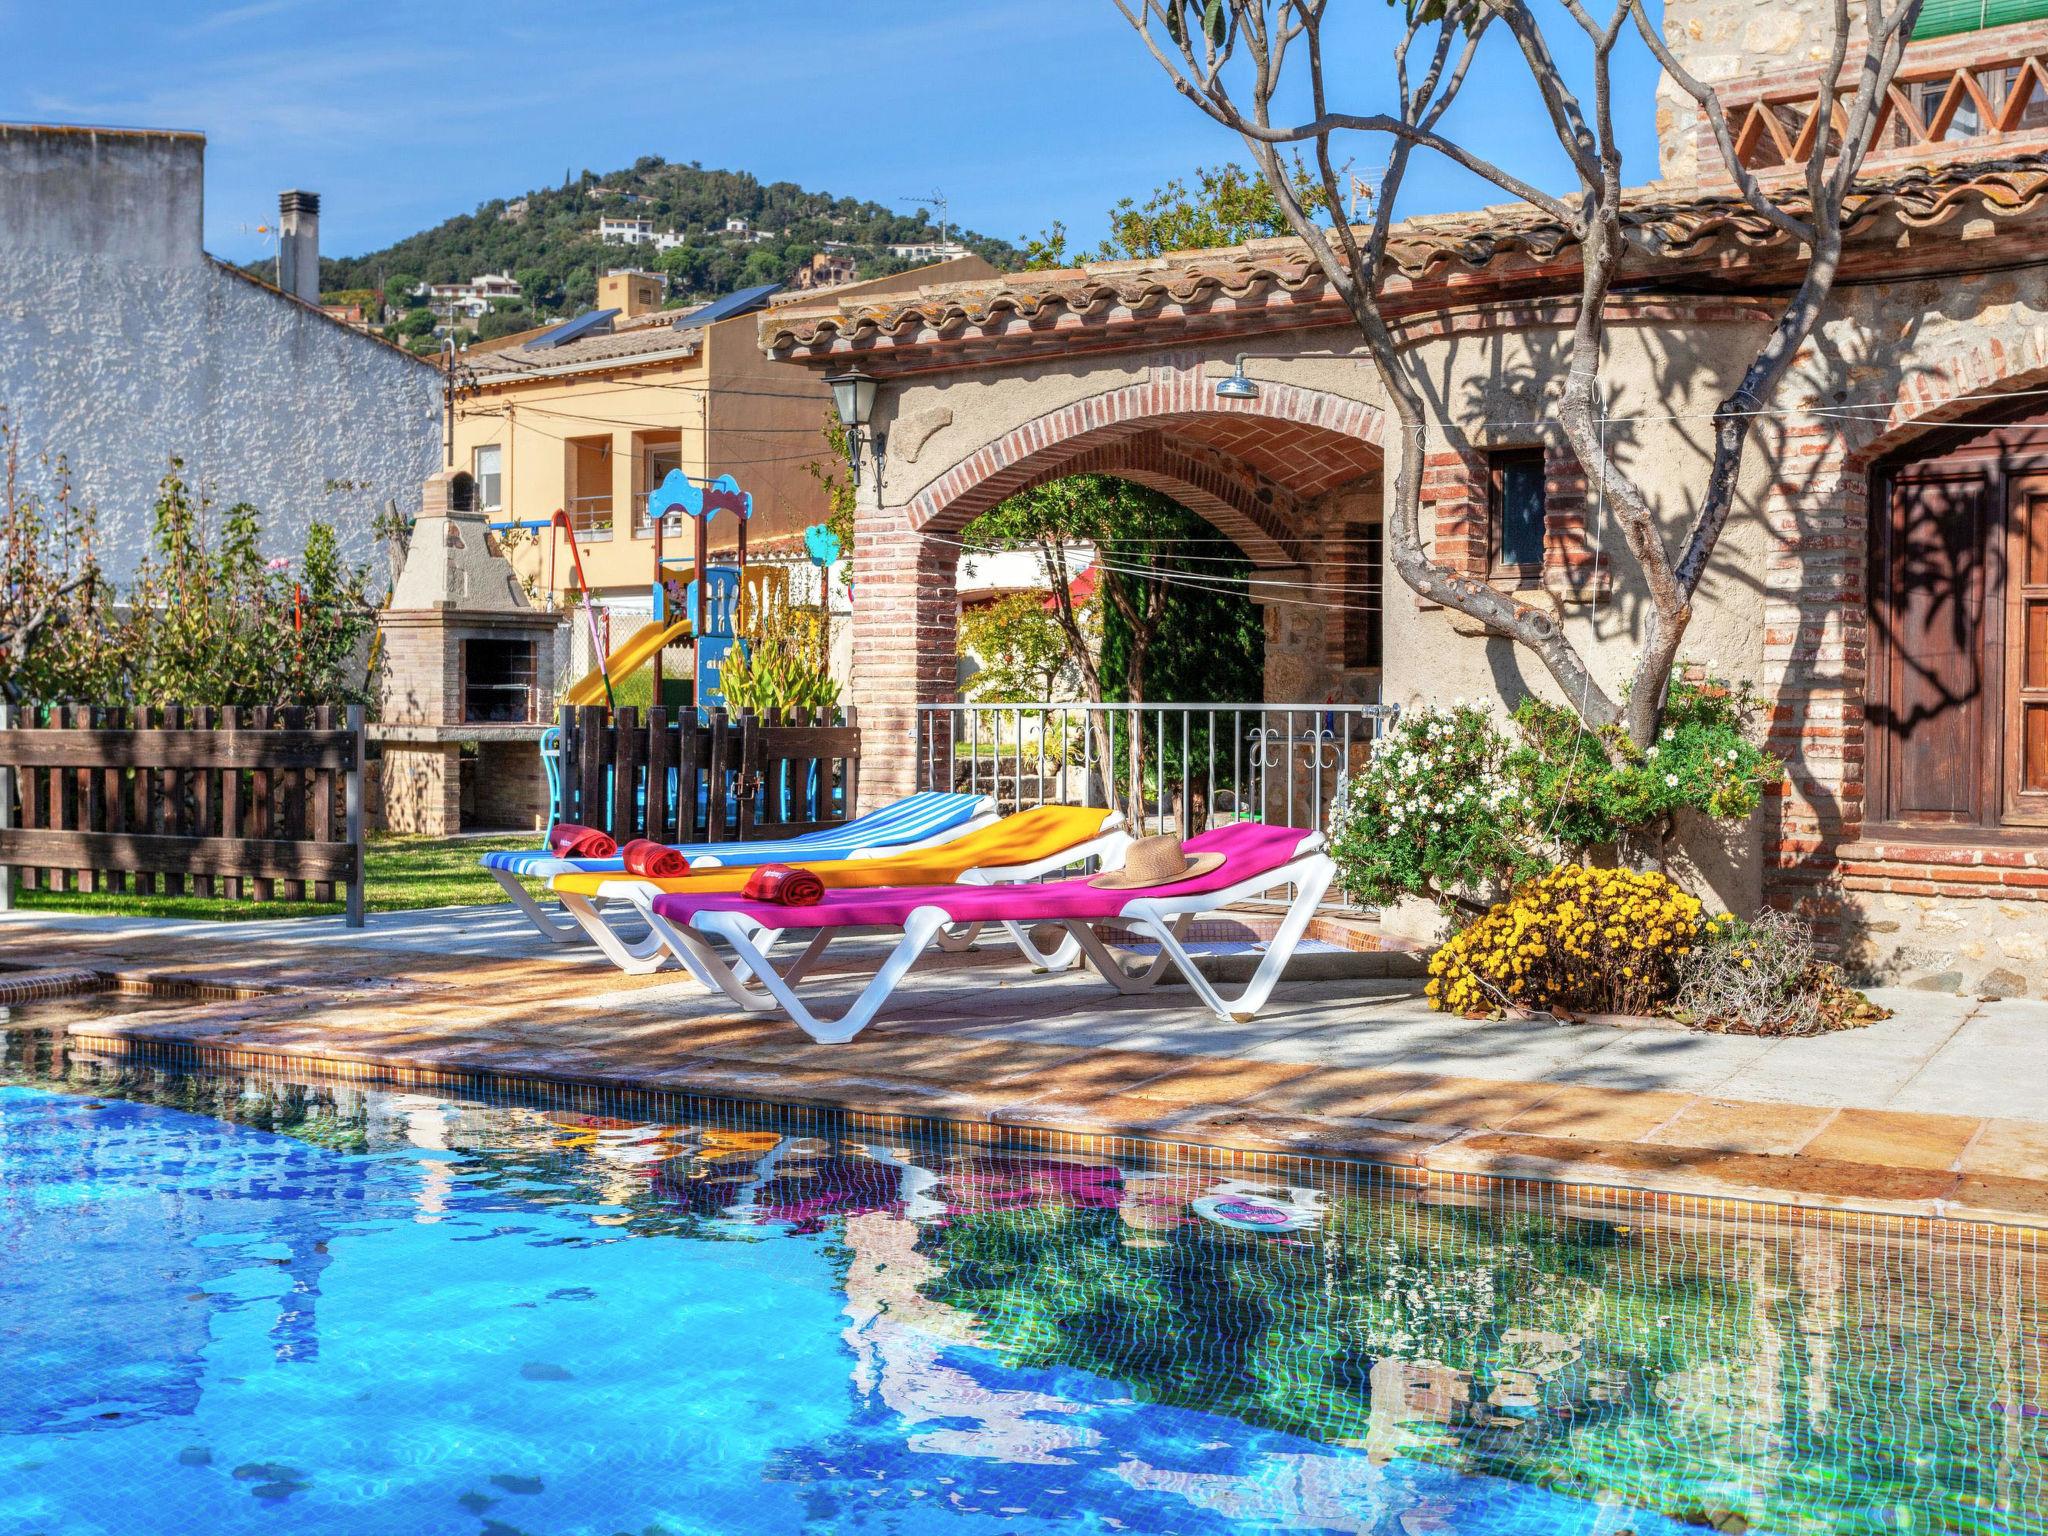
(1935, 707)
(2026, 629)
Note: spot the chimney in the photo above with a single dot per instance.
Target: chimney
(629, 292)
(298, 244)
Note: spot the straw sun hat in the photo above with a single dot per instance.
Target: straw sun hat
(1150, 861)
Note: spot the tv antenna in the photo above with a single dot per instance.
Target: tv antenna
(1365, 190)
(936, 200)
(269, 234)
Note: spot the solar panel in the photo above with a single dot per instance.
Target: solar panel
(596, 322)
(743, 302)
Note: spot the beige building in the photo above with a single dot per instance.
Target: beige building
(590, 415)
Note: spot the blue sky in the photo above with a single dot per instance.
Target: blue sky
(400, 115)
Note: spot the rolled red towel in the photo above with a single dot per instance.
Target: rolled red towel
(566, 840)
(652, 860)
(785, 886)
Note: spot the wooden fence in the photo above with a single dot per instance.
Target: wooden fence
(674, 777)
(250, 804)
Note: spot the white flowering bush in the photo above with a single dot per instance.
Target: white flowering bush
(1435, 814)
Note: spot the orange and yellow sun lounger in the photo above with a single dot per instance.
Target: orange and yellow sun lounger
(1018, 847)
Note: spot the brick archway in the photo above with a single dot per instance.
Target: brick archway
(1245, 465)
(1250, 467)
(1956, 388)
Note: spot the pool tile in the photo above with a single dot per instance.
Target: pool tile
(1893, 1138)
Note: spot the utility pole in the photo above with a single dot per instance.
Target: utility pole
(458, 382)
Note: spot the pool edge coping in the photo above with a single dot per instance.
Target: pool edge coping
(1586, 1178)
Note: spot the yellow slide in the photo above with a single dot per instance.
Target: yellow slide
(639, 649)
(1024, 837)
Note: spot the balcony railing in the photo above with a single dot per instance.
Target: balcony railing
(1932, 106)
(591, 516)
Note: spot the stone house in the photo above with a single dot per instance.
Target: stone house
(1884, 584)
(123, 344)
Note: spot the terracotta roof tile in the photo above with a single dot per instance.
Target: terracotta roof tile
(1678, 228)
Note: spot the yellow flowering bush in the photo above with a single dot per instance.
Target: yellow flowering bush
(1576, 940)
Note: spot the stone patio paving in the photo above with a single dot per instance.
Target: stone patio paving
(1943, 1107)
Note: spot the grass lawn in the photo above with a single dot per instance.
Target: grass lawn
(400, 874)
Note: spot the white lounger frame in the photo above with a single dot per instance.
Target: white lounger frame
(754, 984)
(663, 943)
(577, 932)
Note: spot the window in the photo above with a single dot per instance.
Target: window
(1517, 512)
(654, 455)
(490, 478)
(497, 681)
(589, 484)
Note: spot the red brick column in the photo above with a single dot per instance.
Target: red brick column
(905, 618)
(1815, 663)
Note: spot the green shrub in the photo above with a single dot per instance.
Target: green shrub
(780, 665)
(1596, 789)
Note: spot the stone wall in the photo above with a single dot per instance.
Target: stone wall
(1783, 605)
(123, 345)
(511, 787)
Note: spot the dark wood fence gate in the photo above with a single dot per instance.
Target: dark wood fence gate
(248, 804)
(678, 778)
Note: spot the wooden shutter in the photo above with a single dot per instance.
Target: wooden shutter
(1933, 709)
(2026, 628)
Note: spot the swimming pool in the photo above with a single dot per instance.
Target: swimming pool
(231, 1302)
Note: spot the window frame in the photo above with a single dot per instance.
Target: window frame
(496, 479)
(1498, 462)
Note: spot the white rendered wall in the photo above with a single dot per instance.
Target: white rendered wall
(122, 344)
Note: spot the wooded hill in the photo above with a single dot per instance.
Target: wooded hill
(548, 240)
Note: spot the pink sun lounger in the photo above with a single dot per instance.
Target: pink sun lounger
(1256, 859)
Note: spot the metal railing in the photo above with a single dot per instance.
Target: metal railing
(1168, 767)
(591, 516)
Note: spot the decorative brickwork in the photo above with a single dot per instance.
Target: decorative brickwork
(1878, 893)
(1457, 506)
(1302, 441)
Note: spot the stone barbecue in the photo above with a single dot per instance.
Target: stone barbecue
(467, 678)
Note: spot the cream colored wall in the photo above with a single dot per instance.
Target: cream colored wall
(767, 424)
(736, 412)
(1663, 381)
(532, 422)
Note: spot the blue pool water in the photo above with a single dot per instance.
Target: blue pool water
(238, 1304)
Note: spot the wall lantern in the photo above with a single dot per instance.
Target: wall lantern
(853, 397)
(1237, 386)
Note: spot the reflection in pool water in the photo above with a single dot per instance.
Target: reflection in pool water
(231, 1303)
